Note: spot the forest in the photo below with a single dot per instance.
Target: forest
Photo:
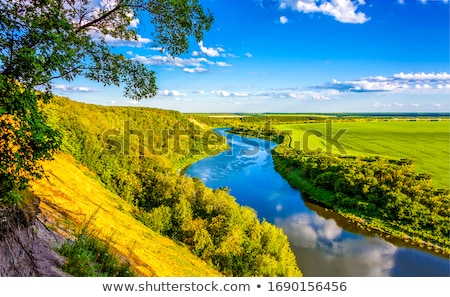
(113, 143)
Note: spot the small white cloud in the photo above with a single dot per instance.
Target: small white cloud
(167, 60)
(249, 55)
(283, 20)
(321, 98)
(413, 104)
(342, 10)
(172, 93)
(209, 51)
(398, 104)
(134, 23)
(221, 93)
(133, 102)
(139, 42)
(436, 104)
(223, 64)
(68, 88)
(224, 93)
(112, 102)
(195, 70)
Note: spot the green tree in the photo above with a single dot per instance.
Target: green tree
(44, 40)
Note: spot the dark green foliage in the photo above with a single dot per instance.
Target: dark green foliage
(25, 137)
(88, 256)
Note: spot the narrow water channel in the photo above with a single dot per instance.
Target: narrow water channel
(324, 243)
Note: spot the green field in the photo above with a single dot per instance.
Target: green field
(426, 142)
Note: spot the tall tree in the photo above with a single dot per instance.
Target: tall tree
(42, 40)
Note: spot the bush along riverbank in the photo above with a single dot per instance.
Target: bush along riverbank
(377, 193)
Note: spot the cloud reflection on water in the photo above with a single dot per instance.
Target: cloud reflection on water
(346, 254)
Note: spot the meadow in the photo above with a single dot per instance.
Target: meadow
(425, 142)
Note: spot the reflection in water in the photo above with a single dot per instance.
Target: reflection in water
(325, 243)
(313, 237)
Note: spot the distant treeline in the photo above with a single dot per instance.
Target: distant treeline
(243, 119)
(386, 194)
(137, 153)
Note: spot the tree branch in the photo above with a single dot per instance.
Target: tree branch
(99, 19)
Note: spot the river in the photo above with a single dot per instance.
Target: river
(324, 243)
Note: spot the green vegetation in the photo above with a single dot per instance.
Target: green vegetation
(378, 192)
(88, 256)
(137, 153)
(425, 142)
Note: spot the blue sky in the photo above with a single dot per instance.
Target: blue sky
(298, 56)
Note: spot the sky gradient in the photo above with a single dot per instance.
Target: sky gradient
(298, 56)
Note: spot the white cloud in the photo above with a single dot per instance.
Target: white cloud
(221, 93)
(224, 93)
(342, 10)
(223, 64)
(397, 82)
(167, 60)
(283, 20)
(423, 76)
(68, 88)
(96, 35)
(321, 98)
(398, 104)
(172, 93)
(437, 104)
(195, 70)
(133, 102)
(209, 51)
(249, 55)
(134, 23)
(413, 104)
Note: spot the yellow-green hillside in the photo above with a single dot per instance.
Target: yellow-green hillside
(72, 195)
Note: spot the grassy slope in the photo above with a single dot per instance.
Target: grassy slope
(428, 143)
(72, 196)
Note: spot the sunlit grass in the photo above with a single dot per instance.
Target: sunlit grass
(72, 198)
(426, 142)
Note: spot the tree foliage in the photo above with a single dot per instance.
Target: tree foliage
(44, 40)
